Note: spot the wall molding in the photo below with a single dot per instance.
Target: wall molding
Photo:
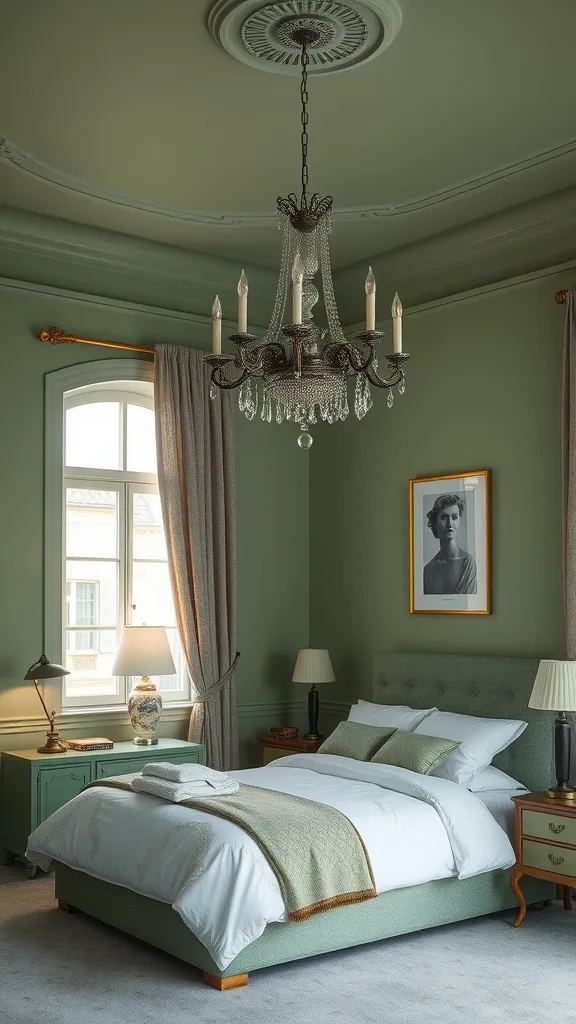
(104, 302)
(26, 163)
(70, 722)
(521, 280)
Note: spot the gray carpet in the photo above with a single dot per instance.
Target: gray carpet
(70, 969)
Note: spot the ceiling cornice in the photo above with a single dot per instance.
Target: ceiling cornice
(26, 163)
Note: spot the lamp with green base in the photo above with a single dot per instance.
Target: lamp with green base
(44, 669)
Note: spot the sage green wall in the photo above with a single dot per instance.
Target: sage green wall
(272, 511)
(483, 391)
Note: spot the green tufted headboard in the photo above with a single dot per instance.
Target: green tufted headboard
(469, 685)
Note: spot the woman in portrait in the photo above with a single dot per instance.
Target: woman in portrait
(452, 570)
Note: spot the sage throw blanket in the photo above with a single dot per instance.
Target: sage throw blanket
(314, 850)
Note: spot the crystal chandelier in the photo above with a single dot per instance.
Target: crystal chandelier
(299, 372)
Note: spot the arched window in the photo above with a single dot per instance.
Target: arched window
(113, 565)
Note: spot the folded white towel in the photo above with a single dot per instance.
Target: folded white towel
(184, 772)
(179, 791)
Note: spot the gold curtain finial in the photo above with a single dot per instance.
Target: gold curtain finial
(560, 297)
(56, 336)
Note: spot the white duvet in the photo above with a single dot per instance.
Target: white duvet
(415, 828)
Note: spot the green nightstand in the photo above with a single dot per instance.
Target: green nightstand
(33, 785)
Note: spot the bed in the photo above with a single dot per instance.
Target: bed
(483, 686)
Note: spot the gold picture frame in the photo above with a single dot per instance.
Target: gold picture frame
(450, 544)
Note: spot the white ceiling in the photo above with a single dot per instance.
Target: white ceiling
(125, 114)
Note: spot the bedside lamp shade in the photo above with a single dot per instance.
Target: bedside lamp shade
(555, 690)
(555, 686)
(143, 651)
(313, 666)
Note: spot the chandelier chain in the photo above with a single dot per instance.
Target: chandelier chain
(304, 60)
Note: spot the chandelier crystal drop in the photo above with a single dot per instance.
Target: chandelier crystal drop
(298, 371)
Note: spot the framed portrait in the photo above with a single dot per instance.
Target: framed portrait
(450, 544)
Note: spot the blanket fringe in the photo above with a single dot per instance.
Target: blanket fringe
(343, 900)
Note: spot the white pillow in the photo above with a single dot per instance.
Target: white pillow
(480, 740)
(400, 716)
(492, 778)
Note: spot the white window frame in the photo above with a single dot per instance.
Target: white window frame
(58, 383)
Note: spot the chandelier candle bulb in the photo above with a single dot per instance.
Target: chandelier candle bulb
(297, 281)
(217, 327)
(370, 288)
(243, 304)
(397, 323)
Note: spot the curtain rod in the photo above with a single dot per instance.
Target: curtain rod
(560, 297)
(56, 336)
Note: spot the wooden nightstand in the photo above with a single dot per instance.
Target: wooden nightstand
(273, 748)
(545, 842)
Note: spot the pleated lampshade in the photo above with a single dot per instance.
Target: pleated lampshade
(555, 686)
(313, 666)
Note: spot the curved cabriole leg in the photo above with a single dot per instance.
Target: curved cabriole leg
(222, 984)
(514, 880)
(567, 894)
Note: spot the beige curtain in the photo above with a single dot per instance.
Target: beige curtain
(195, 445)
(569, 488)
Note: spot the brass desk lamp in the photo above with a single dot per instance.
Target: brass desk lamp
(44, 669)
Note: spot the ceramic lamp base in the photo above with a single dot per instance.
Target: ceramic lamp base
(144, 710)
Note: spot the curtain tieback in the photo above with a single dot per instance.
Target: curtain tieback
(211, 691)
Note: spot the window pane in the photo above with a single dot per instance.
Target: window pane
(89, 658)
(93, 435)
(151, 595)
(141, 439)
(91, 522)
(147, 529)
(91, 594)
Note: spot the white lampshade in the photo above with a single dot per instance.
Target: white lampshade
(143, 651)
(555, 686)
(313, 667)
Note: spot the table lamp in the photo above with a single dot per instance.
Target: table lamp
(144, 651)
(44, 669)
(313, 666)
(555, 688)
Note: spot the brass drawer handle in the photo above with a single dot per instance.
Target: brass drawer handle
(555, 828)
(555, 860)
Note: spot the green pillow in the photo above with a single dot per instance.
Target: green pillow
(350, 739)
(415, 751)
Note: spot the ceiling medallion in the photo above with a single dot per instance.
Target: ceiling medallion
(298, 371)
(264, 35)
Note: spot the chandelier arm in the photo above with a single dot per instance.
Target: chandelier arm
(353, 352)
(223, 383)
(377, 381)
(251, 361)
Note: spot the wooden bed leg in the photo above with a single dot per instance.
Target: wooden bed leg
(234, 981)
(66, 907)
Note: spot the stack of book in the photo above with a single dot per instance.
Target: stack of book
(90, 743)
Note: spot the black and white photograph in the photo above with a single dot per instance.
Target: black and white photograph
(450, 544)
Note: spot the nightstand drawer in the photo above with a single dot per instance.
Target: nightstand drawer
(542, 825)
(548, 858)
